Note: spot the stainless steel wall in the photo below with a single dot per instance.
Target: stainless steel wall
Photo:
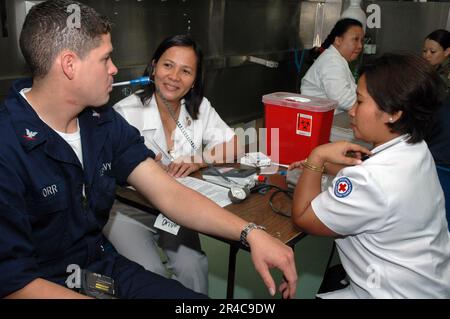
(317, 18)
(263, 28)
(230, 31)
(405, 24)
(227, 30)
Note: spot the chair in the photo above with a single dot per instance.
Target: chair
(444, 178)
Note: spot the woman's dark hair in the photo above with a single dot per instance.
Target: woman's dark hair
(194, 97)
(339, 29)
(407, 83)
(441, 36)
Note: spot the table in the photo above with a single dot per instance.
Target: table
(255, 209)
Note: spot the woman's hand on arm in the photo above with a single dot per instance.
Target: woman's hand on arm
(339, 153)
(334, 156)
(309, 184)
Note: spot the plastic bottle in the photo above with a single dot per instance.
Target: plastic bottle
(354, 11)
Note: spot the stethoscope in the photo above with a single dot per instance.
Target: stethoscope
(237, 192)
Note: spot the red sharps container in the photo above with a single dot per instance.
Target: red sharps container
(304, 122)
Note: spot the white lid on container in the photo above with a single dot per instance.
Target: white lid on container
(298, 101)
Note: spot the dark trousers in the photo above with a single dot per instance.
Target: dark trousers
(131, 280)
(333, 279)
(135, 282)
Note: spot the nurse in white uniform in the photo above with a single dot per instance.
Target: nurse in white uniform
(387, 212)
(330, 76)
(176, 122)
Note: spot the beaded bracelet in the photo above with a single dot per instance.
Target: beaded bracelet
(311, 167)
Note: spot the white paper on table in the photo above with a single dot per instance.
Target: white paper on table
(216, 193)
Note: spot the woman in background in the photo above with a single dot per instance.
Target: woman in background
(387, 212)
(436, 51)
(330, 76)
(176, 120)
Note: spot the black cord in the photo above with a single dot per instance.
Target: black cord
(288, 193)
(267, 187)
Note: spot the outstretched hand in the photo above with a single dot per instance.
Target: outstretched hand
(295, 165)
(335, 156)
(268, 252)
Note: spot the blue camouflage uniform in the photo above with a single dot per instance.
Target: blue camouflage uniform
(47, 221)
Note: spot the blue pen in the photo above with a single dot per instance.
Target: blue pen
(139, 81)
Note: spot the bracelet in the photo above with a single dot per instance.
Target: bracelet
(312, 167)
(247, 229)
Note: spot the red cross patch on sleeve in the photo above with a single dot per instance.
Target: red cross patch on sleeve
(343, 187)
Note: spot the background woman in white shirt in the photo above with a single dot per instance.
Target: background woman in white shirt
(386, 213)
(176, 95)
(330, 76)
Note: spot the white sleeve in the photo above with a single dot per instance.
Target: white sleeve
(336, 83)
(215, 130)
(119, 108)
(131, 109)
(353, 204)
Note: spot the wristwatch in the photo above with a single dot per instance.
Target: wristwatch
(247, 229)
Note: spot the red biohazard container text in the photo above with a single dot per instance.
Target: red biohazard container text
(304, 122)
